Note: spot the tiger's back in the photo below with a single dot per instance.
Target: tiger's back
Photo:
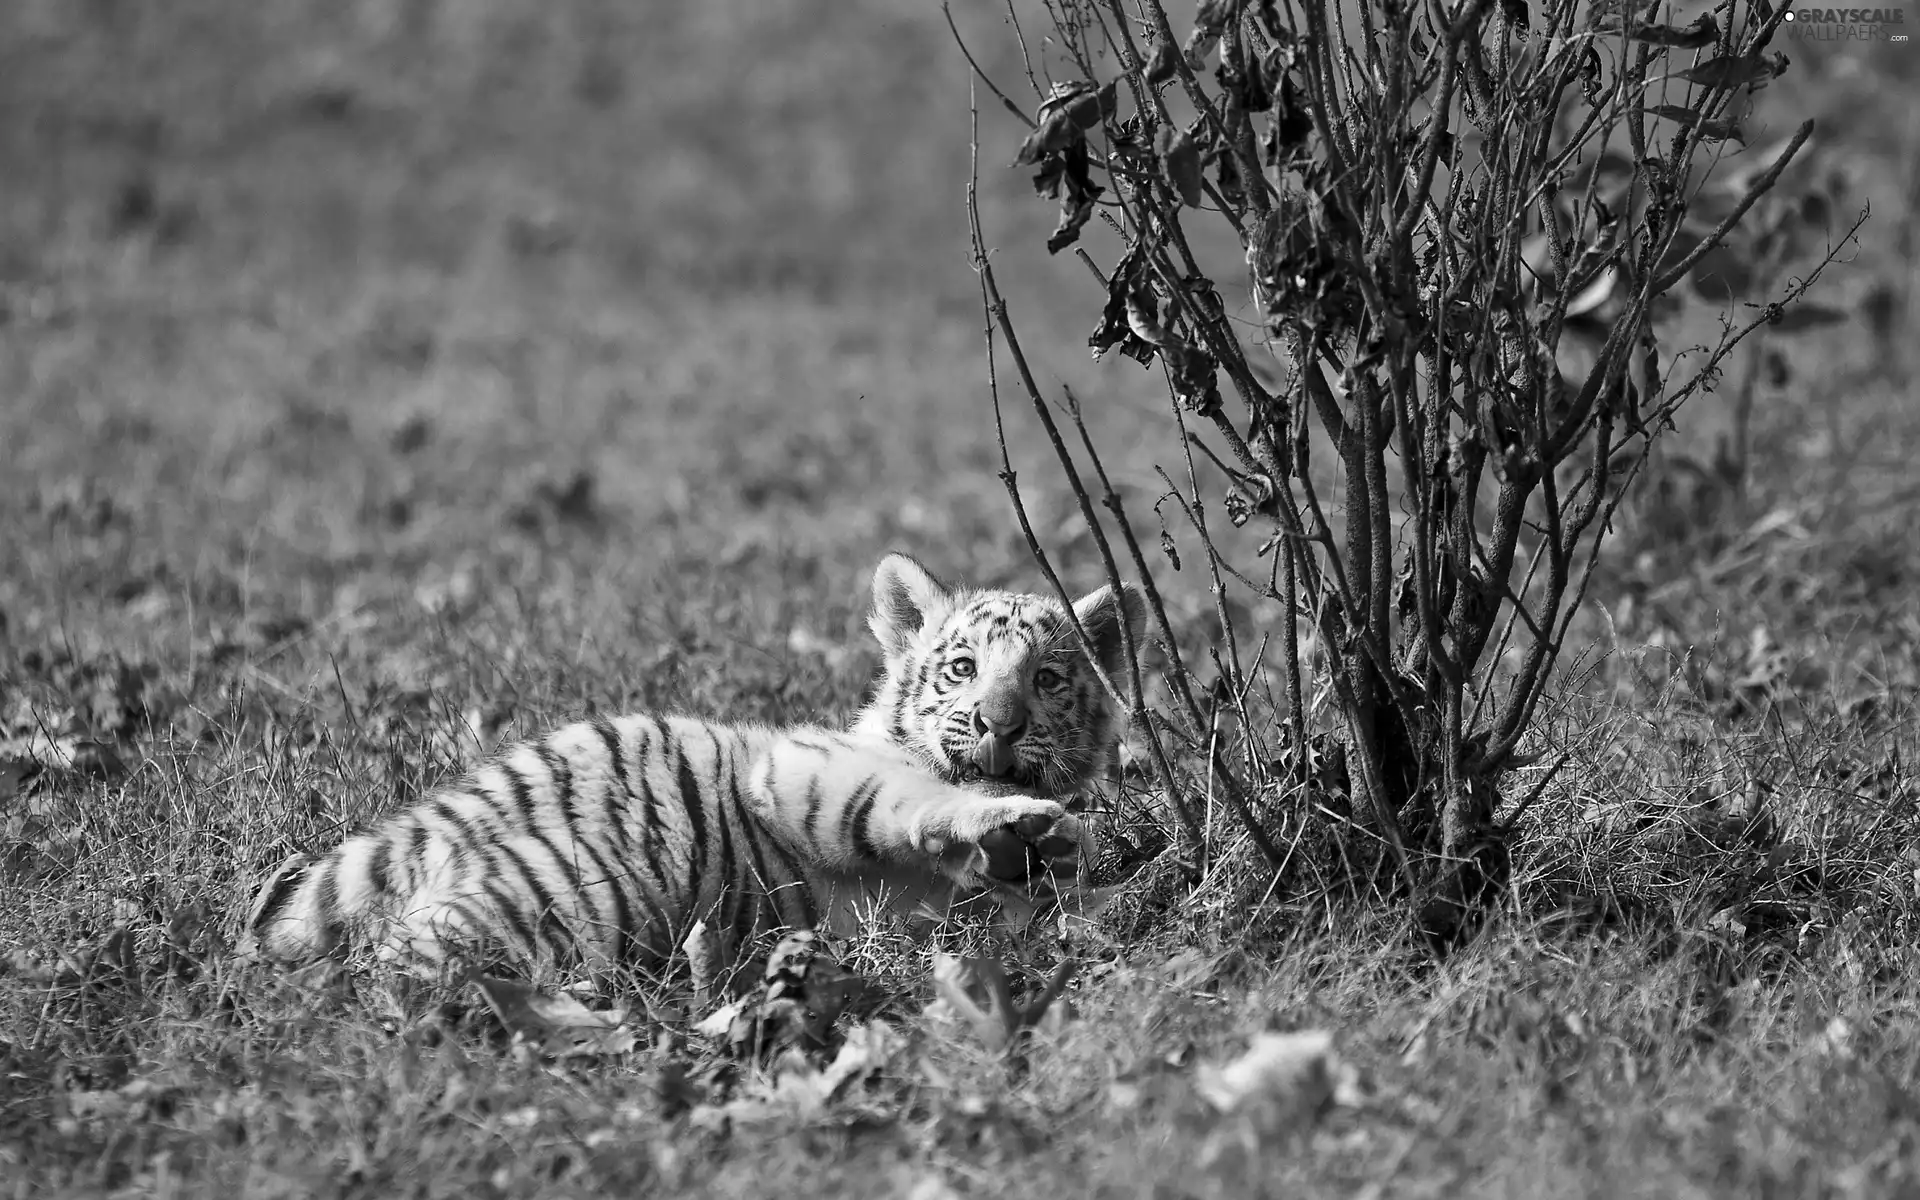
(594, 842)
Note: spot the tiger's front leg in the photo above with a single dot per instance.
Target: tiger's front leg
(844, 801)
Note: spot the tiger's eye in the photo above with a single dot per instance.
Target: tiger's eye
(1046, 677)
(961, 668)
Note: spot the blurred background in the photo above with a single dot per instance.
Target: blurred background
(602, 327)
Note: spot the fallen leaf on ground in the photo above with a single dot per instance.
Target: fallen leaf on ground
(1288, 1079)
(559, 1026)
(800, 1092)
(975, 991)
(803, 994)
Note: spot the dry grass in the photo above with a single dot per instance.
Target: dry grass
(313, 319)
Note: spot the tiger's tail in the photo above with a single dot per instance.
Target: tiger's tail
(306, 909)
(283, 924)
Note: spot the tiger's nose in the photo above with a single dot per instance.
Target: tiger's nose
(1007, 726)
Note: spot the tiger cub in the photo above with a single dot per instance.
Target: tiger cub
(604, 842)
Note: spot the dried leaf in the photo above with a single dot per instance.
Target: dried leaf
(1710, 130)
(803, 994)
(1703, 32)
(1066, 174)
(1074, 216)
(1590, 74)
(1069, 110)
(975, 991)
(1290, 124)
(1086, 105)
(1287, 1079)
(799, 1092)
(718, 1024)
(558, 1026)
(1180, 162)
(1731, 70)
(1143, 316)
(1227, 166)
(1160, 65)
(1050, 137)
(1196, 381)
(1115, 327)
(1209, 23)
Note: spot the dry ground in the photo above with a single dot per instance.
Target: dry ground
(374, 369)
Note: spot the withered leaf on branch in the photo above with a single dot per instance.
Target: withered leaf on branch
(1704, 31)
(1169, 549)
(1069, 110)
(1180, 160)
(1160, 64)
(1227, 167)
(1209, 23)
(1143, 316)
(1059, 147)
(1085, 104)
(1291, 123)
(1515, 11)
(1073, 218)
(1067, 175)
(1590, 74)
(1710, 130)
(1732, 70)
(1115, 328)
(1049, 138)
(1246, 88)
(1195, 380)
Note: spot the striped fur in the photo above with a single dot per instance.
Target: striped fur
(602, 843)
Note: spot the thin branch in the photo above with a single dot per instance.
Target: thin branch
(1758, 188)
(1013, 108)
(995, 307)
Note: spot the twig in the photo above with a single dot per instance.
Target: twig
(1013, 108)
(1758, 188)
(995, 308)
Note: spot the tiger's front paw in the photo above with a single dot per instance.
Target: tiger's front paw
(1030, 854)
(1008, 840)
(958, 827)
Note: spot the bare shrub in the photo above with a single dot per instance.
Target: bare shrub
(1464, 230)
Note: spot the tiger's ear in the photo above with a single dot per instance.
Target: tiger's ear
(905, 596)
(1100, 614)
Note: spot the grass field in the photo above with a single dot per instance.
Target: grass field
(373, 373)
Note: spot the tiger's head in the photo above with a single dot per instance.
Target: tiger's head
(993, 685)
